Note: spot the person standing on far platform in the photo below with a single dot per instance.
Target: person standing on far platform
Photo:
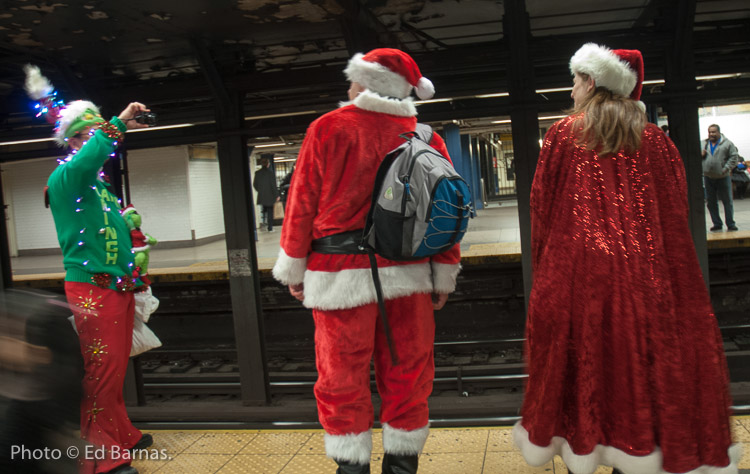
(265, 183)
(328, 204)
(625, 359)
(719, 159)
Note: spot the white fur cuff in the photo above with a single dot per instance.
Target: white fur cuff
(608, 456)
(444, 277)
(289, 270)
(368, 100)
(354, 448)
(403, 442)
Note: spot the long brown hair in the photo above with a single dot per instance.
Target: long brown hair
(611, 122)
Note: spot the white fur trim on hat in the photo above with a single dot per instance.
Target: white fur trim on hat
(606, 68)
(128, 210)
(425, 89)
(354, 447)
(69, 114)
(377, 78)
(404, 442)
(289, 270)
(368, 100)
(608, 456)
(351, 288)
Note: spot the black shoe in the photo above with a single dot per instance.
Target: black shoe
(124, 469)
(715, 228)
(732, 227)
(346, 467)
(146, 441)
(403, 464)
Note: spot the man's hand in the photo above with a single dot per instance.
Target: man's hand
(439, 300)
(703, 153)
(298, 291)
(127, 115)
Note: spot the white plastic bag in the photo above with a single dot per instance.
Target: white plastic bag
(144, 338)
(145, 304)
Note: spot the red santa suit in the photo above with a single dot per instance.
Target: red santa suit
(626, 363)
(330, 193)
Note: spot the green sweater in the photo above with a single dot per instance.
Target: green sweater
(93, 236)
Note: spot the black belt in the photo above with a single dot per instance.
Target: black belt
(344, 243)
(350, 243)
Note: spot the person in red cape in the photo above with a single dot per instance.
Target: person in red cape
(625, 359)
(329, 196)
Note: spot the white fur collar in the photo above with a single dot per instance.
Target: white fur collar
(368, 100)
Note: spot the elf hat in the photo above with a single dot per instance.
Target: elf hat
(619, 70)
(390, 73)
(129, 209)
(76, 116)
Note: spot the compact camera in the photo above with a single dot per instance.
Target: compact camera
(148, 118)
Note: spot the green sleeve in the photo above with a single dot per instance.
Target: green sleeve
(82, 169)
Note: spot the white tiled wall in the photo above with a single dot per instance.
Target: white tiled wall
(205, 198)
(173, 195)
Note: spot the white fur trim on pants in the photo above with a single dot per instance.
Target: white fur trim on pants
(354, 447)
(351, 288)
(444, 277)
(289, 270)
(609, 456)
(403, 442)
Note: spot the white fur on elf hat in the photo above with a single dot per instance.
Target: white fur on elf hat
(71, 114)
(607, 68)
(390, 73)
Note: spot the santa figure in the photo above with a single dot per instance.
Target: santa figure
(329, 200)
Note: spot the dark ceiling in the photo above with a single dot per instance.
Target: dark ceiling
(285, 58)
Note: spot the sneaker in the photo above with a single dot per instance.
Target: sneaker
(715, 228)
(732, 227)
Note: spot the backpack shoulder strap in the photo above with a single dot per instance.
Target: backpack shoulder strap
(424, 132)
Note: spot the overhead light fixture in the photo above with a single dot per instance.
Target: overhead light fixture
(501, 121)
(490, 96)
(24, 142)
(160, 127)
(284, 160)
(433, 101)
(554, 89)
(287, 114)
(717, 76)
(268, 145)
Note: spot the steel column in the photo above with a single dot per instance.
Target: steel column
(524, 117)
(682, 111)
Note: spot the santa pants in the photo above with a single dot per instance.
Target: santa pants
(345, 343)
(104, 319)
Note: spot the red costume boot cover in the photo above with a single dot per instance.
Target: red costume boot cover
(104, 320)
(345, 342)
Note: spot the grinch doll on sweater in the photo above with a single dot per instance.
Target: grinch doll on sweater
(141, 242)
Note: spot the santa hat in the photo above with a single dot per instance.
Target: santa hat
(619, 70)
(76, 116)
(390, 73)
(129, 209)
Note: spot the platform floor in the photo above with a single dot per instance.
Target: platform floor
(495, 231)
(448, 451)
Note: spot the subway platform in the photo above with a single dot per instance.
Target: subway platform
(493, 232)
(448, 451)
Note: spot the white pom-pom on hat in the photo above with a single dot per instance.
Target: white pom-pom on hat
(424, 89)
(36, 85)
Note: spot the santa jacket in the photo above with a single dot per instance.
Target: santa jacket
(330, 193)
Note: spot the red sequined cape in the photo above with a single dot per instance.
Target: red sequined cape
(624, 354)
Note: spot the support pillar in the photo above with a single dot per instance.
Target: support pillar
(453, 143)
(524, 117)
(682, 111)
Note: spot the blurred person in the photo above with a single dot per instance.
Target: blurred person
(286, 183)
(99, 279)
(625, 360)
(40, 382)
(328, 203)
(264, 182)
(719, 159)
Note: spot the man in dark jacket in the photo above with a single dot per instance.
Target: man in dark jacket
(719, 159)
(265, 183)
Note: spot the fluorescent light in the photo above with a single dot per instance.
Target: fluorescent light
(161, 127)
(23, 142)
(501, 121)
(288, 114)
(653, 81)
(717, 76)
(433, 101)
(553, 117)
(490, 96)
(284, 160)
(268, 145)
(554, 89)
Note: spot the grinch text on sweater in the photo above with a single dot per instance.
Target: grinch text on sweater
(110, 234)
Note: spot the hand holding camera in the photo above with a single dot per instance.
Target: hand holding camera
(137, 115)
